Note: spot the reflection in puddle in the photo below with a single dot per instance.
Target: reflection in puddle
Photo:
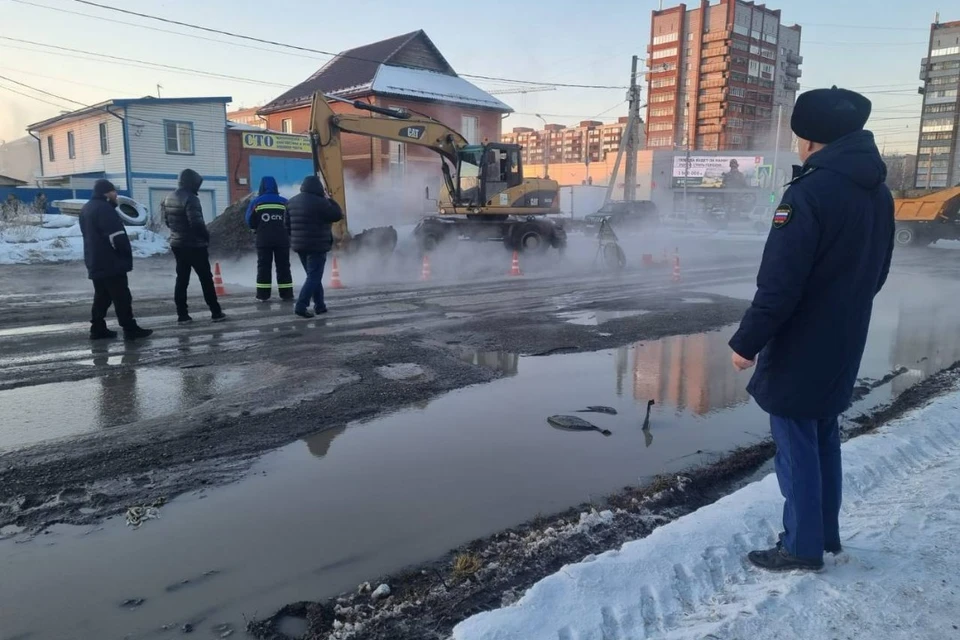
(589, 318)
(503, 361)
(43, 412)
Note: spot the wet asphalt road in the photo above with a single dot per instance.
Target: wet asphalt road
(345, 504)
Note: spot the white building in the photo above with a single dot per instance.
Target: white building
(141, 145)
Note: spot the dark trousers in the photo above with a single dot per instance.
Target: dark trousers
(279, 256)
(116, 291)
(196, 260)
(312, 288)
(811, 480)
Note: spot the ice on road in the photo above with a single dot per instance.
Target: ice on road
(898, 577)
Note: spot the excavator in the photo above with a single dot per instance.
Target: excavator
(929, 217)
(484, 196)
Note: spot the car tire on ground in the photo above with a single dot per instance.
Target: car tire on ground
(906, 235)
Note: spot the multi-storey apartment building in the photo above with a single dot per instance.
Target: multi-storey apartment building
(938, 149)
(589, 141)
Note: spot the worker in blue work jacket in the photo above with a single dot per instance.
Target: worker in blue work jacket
(265, 215)
(827, 256)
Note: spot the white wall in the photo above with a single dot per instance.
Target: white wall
(150, 192)
(148, 152)
(88, 158)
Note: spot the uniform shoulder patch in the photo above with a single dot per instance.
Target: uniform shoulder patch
(782, 215)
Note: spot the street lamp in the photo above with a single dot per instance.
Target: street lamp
(546, 152)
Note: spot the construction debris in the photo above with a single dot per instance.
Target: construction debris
(229, 233)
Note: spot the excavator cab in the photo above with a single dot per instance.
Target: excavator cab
(484, 171)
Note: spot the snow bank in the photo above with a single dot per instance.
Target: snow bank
(898, 576)
(28, 244)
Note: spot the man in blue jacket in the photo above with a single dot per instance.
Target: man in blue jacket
(266, 215)
(109, 258)
(827, 256)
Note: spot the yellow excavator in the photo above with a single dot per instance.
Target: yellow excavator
(928, 217)
(485, 195)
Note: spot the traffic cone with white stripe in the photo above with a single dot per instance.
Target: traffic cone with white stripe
(218, 280)
(335, 282)
(425, 271)
(515, 265)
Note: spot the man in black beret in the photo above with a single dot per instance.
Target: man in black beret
(827, 256)
(109, 258)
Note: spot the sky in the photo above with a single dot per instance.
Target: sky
(851, 43)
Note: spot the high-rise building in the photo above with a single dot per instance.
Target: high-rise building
(589, 141)
(938, 150)
(721, 77)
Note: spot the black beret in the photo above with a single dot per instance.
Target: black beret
(825, 115)
(102, 187)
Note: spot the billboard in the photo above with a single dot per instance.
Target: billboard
(716, 172)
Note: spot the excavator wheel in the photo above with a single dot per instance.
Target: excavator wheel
(530, 237)
(429, 236)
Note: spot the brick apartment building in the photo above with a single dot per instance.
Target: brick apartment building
(406, 71)
(248, 117)
(720, 75)
(589, 141)
(938, 149)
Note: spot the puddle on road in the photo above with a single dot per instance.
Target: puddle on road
(340, 507)
(696, 300)
(43, 412)
(593, 318)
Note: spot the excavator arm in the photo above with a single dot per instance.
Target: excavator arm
(326, 127)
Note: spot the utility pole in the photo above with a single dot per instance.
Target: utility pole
(158, 90)
(546, 152)
(776, 156)
(630, 171)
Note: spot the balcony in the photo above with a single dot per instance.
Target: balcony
(713, 96)
(713, 52)
(710, 113)
(712, 67)
(790, 85)
(717, 36)
(793, 72)
(794, 58)
(710, 128)
(718, 83)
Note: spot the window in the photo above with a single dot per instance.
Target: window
(938, 108)
(670, 37)
(104, 139)
(945, 51)
(661, 97)
(738, 92)
(50, 155)
(754, 49)
(660, 126)
(179, 137)
(468, 128)
(286, 125)
(740, 45)
(661, 111)
(945, 66)
(71, 145)
(754, 68)
(660, 141)
(944, 80)
(741, 30)
(664, 53)
(735, 123)
(663, 82)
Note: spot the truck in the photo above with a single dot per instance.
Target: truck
(926, 218)
(485, 195)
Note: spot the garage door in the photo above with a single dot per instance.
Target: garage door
(289, 172)
(206, 201)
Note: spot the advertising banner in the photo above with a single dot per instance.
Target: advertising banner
(720, 172)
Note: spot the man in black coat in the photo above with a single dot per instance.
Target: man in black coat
(109, 258)
(827, 256)
(266, 214)
(309, 216)
(189, 240)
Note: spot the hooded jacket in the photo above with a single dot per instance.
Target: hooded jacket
(309, 216)
(266, 214)
(827, 256)
(106, 246)
(183, 214)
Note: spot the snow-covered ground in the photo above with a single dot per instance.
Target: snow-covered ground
(59, 240)
(898, 577)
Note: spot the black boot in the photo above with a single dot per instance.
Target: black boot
(135, 332)
(778, 559)
(829, 548)
(100, 332)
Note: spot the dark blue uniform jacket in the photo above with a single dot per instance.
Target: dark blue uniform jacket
(266, 214)
(106, 246)
(827, 256)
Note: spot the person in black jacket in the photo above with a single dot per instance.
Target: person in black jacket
(827, 256)
(189, 240)
(309, 216)
(266, 214)
(109, 258)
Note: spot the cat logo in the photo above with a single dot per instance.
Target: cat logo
(414, 133)
(534, 202)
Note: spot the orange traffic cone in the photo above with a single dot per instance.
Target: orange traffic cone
(425, 271)
(676, 267)
(218, 280)
(335, 282)
(515, 266)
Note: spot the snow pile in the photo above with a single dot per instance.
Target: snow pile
(897, 578)
(56, 241)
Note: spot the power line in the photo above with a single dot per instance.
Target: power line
(27, 95)
(46, 93)
(328, 53)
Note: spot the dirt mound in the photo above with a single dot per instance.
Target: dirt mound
(229, 233)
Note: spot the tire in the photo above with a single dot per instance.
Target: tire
(906, 236)
(430, 237)
(530, 237)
